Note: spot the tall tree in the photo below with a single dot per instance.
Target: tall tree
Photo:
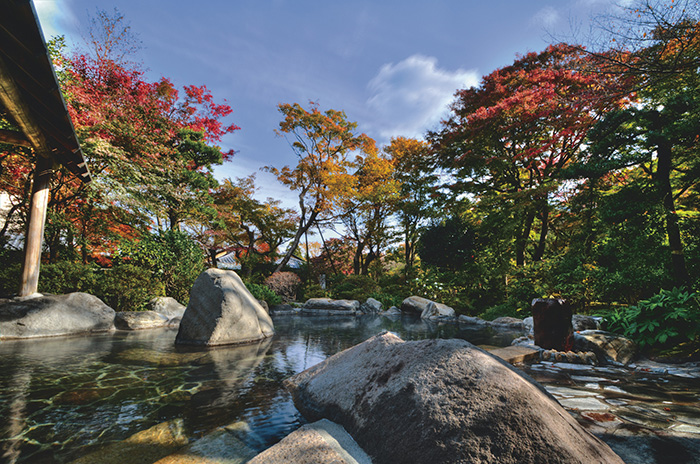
(417, 181)
(321, 142)
(509, 139)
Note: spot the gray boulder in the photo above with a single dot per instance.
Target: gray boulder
(222, 311)
(437, 310)
(371, 306)
(508, 323)
(53, 315)
(415, 304)
(322, 442)
(137, 320)
(608, 347)
(167, 306)
(393, 311)
(471, 320)
(443, 401)
(328, 307)
(581, 322)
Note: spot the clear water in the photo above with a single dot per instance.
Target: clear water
(61, 398)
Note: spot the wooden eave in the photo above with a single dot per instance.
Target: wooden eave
(30, 93)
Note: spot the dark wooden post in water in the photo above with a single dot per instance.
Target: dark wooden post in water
(552, 324)
(35, 228)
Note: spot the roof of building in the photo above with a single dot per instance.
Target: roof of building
(29, 92)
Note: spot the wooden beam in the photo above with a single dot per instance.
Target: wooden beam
(14, 138)
(35, 229)
(11, 98)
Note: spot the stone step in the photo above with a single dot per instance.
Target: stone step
(516, 354)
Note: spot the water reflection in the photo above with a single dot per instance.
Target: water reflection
(64, 397)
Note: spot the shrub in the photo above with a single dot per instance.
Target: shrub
(10, 275)
(173, 259)
(126, 287)
(671, 316)
(312, 290)
(388, 300)
(354, 287)
(284, 284)
(67, 277)
(263, 292)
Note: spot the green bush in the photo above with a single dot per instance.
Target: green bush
(354, 287)
(388, 299)
(671, 316)
(263, 292)
(10, 274)
(311, 290)
(126, 287)
(173, 259)
(504, 310)
(68, 277)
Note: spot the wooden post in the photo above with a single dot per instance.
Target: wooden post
(35, 228)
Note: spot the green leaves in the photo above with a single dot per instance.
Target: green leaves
(671, 316)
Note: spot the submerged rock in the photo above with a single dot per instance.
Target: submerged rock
(53, 315)
(222, 312)
(442, 401)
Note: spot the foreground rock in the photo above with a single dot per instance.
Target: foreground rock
(138, 320)
(322, 442)
(222, 311)
(328, 307)
(167, 306)
(441, 401)
(608, 347)
(426, 308)
(54, 315)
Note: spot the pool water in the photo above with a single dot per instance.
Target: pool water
(61, 398)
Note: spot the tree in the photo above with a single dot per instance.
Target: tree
(321, 142)
(417, 189)
(253, 229)
(366, 210)
(509, 140)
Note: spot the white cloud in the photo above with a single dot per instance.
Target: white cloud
(412, 96)
(546, 17)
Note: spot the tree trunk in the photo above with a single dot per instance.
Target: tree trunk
(303, 227)
(544, 217)
(521, 239)
(663, 182)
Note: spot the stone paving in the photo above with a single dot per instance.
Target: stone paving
(647, 412)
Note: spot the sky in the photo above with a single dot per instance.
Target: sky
(392, 66)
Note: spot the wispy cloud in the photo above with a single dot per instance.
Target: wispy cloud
(412, 96)
(546, 17)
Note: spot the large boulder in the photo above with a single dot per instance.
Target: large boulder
(608, 347)
(443, 401)
(137, 320)
(167, 306)
(53, 315)
(222, 311)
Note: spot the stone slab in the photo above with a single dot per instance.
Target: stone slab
(516, 354)
(323, 442)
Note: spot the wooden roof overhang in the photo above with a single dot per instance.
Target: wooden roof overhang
(29, 92)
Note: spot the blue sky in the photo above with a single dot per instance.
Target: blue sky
(392, 66)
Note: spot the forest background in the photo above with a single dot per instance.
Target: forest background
(571, 173)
